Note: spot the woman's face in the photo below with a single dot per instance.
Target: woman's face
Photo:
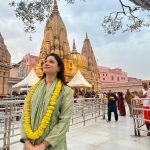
(50, 66)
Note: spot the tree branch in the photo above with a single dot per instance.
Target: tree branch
(115, 20)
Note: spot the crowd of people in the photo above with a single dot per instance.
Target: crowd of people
(116, 101)
(85, 94)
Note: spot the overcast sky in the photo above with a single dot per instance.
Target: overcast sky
(129, 51)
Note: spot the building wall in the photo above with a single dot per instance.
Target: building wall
(14, 72)
(116, 75)
(30, 61)
(122, 87)
(117, 80)
(20, 70)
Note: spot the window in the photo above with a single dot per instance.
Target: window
(118, 78)
(103, 78)
(112, 78)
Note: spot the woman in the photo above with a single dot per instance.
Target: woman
(128, 98)
(47, 110)
(121, 105)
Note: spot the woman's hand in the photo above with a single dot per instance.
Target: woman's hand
(40, 147)
(28, 145)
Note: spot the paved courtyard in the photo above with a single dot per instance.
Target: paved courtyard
(101, 135)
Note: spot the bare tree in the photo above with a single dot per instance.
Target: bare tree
(32, 11)
(129, 18)
(142, 3)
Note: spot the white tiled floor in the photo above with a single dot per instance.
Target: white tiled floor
(108, 136)
(104, 136)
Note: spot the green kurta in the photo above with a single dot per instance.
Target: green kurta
(55, 133)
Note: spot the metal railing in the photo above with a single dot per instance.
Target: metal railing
(139, 112)
(10, 113)
(84, 110)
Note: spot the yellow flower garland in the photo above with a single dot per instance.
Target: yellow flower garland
(46, 119)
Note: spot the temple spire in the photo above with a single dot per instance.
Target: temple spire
(55, 7)
(87, 36)
(74, 46)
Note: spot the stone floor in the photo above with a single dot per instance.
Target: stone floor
(101, 135)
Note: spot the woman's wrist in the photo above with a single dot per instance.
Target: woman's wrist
(26, 141)
(45, 143)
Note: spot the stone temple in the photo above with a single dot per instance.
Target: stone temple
(5, 59)
(55, 41)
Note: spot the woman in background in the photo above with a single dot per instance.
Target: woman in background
(128, 98)
(121, 105)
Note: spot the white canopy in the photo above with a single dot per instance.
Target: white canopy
(29, 80)
(24, 89)
(79, 81)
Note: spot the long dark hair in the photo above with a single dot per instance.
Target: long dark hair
(60, 74)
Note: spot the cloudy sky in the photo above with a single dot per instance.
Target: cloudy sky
(129, 51)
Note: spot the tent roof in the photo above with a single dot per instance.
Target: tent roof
(29, 80)
(24, 89)
(79, 81)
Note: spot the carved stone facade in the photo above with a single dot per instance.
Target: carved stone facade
(56, 41)
(93, 71)
(5, 59)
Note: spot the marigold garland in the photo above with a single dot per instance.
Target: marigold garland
(46, 119)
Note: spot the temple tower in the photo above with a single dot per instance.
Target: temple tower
(5, 59)
(93, 76)
(55, 38)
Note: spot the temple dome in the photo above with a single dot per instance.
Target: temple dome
(79, 60)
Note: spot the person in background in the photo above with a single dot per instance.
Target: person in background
(135, 94)
(146, 105)
(121, 105)
(112, 107)
(128, 98)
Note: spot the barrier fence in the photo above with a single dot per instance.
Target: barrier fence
(84, 109)
(141, 114)
(10, 113)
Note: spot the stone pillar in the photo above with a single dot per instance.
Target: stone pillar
(1, 81)
(6, 75)
(4, 84)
